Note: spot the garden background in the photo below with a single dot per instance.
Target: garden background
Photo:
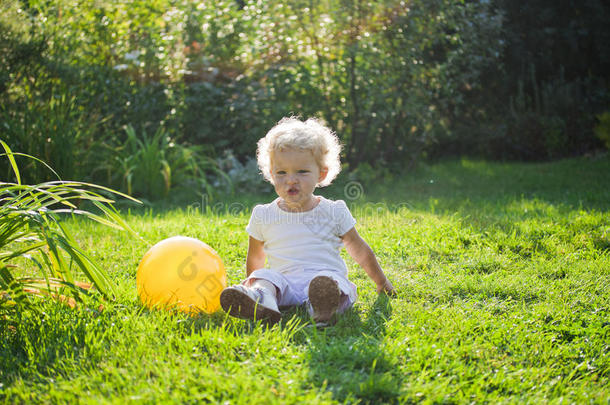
(104, 91)
(475, 158)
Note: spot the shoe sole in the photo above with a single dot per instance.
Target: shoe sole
(240, 305)
(324, 297)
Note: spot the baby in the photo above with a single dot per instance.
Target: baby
(301, 234)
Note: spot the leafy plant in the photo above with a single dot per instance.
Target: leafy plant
(245, 177)
(31, 232)
(55, 130)
(149, 166)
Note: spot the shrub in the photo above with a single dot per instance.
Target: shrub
(381, 74)
(149, 167)
(245, 177)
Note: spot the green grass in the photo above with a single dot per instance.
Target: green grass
(503, 272)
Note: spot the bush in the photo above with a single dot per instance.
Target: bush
(148, 167)
(244, 177)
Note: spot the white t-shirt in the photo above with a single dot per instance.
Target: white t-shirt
(297, 241)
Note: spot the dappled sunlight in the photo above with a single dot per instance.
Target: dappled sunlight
(532, 207)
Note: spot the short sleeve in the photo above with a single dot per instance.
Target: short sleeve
(255, 225)
(343, 217)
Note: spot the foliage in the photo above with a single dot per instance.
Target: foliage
(398, 80)
(571, 38)
(20, 48)
(150, 166)
(31, 230)
(544, 122)
(557, 60)
(221, 74)
(243, 177)
(379, 73)
(57, 130)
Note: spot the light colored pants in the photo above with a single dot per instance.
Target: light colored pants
(293, 287)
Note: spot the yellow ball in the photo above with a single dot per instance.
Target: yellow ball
(181, 272)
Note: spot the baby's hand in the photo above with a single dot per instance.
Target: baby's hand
(386, 288)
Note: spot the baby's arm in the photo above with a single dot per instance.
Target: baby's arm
(362, 253)
(256, 256)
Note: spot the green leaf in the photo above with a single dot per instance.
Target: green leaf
(11, 158)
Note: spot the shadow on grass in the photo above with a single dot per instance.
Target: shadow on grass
(348, 359)
(571, 183)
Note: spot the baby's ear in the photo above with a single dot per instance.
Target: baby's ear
(323, 174)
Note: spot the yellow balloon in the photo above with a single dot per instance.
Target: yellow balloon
(181, 272)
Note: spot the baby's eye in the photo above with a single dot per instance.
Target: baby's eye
(303, 171)
(280, 172)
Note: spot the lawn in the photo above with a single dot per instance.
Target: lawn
(503, 273)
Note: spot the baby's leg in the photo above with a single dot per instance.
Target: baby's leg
(283, 286)
(265, 285)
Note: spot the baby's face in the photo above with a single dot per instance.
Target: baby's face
(295, 174)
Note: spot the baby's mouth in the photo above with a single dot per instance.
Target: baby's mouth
(293, 191)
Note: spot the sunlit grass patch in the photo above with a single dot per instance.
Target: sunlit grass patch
(503, 296)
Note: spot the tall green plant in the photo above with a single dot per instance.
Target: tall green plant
(150, 166)
(56, 130)
(31, 229)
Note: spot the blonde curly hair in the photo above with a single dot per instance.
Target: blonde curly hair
(312, 134)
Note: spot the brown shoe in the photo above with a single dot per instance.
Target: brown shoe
(324, 298)
(249, 303)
